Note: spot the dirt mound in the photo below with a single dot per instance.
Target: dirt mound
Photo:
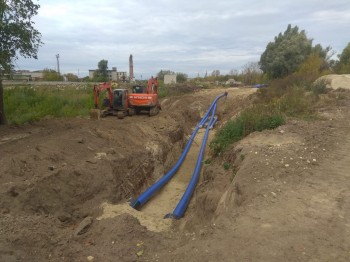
(337, 81)
(279, 195)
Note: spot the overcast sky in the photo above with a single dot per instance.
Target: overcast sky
(179, 35)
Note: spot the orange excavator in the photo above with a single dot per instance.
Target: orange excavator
(120, 103)
(115, 103)
(142, 99)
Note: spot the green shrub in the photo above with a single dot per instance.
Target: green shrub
(163, 91)
(320, 86)
(296, 102)
(277, 88)
(226, 166)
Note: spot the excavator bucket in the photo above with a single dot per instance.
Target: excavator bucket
(95, 114)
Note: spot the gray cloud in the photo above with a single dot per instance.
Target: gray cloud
(182, 36)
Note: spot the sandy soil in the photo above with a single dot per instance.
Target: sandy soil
(64, 187)
(338, 81)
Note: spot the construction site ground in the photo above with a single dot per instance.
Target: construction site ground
(277, 195)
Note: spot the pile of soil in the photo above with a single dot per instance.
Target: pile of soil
(337, 81)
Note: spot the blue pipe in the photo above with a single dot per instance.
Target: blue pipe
(145, 196)
(214, 122)
(183, 203)
(202, 122)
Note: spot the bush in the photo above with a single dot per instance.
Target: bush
(163, 91)
(320, 86)
(277, 88)
(297, 102)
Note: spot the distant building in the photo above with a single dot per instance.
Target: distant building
(169, 79)
(27, 75)
(233, 83)
(112, 75)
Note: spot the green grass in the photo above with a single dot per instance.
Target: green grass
(26, 104)
(177, 89)
(207, 161)
(257, 118)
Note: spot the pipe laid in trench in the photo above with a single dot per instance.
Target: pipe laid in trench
(145, 196)
(213, 122)
(204, 119)
(186, 197)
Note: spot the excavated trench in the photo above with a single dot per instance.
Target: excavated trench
(71, 180)
(57, 173)
(67, 172)
(166, 199)
(152, 214)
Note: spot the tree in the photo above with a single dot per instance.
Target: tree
(215, 73)
(283, 56)
(251, 73)
(233, 72)
(51, 75)
(324, 54)
(101, 74)
(181, 77)
(318, 62)
(18, 37)
(343, 66)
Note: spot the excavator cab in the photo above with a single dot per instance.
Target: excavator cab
(138, 89)
(120, 103)
(119, 98)
(114, 103)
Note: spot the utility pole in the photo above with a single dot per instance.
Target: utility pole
(58, 63)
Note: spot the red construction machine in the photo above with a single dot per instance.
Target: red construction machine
(120, 103)
(142, 99)
(115, 103)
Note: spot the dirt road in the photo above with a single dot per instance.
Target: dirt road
(64, 185)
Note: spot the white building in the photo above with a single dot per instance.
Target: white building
(169, 79)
